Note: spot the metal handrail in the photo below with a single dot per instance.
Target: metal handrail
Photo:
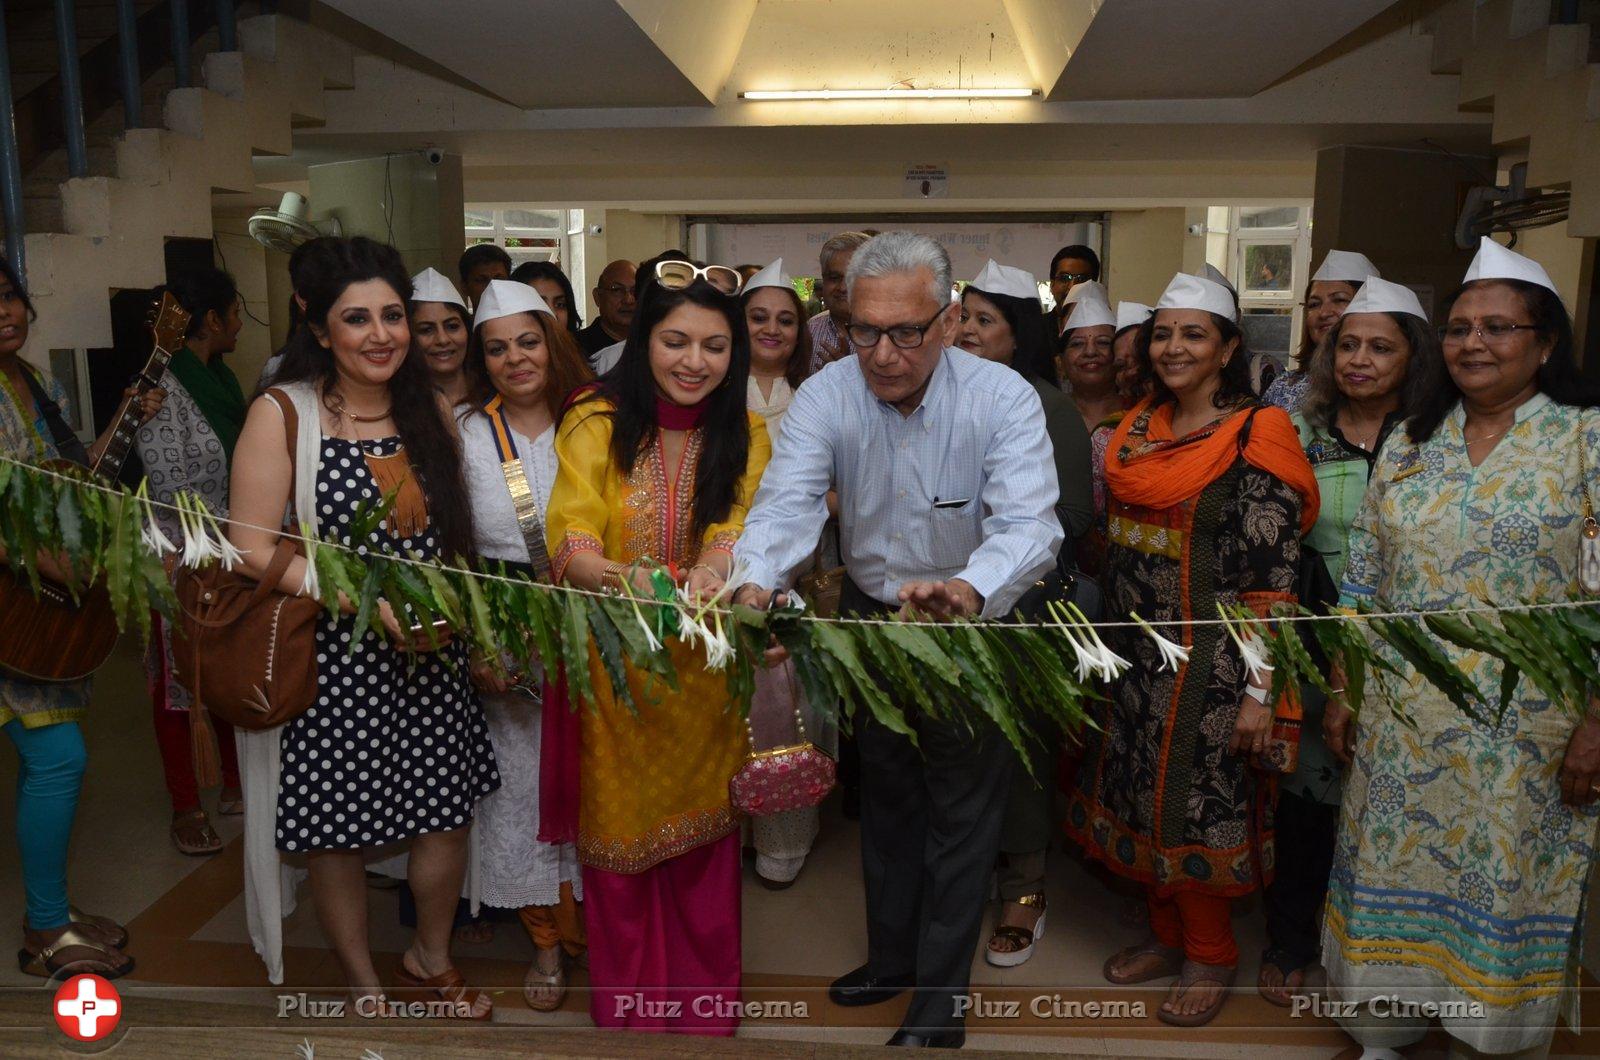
(10, 161)
(28, 126)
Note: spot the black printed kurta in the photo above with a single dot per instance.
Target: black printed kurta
(1159, 798)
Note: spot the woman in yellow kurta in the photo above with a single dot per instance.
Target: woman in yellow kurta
(659, 463)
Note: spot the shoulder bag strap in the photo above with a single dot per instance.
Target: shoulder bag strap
(291, 433)
(522, 498)
(62, 435)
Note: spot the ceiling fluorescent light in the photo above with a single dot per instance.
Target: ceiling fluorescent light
(826, 94)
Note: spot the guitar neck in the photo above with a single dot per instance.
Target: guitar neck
(128, 417)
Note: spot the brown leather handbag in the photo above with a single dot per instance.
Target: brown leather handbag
(244, 650)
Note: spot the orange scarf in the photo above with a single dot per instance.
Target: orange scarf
(1158, 471)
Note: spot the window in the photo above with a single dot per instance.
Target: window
(531, 233)
(1267, 251)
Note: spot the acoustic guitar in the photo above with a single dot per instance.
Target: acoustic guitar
(49, 636)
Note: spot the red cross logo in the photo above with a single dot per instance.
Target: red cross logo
(87, 1008)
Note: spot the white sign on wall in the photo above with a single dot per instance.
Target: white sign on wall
(926, 182)
(1023, 245)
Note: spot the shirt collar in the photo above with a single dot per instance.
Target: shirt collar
(1528, 409)
(932, 398)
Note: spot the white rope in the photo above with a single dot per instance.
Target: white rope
(1133, 623)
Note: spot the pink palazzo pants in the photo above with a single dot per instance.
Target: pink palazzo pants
(664, 943)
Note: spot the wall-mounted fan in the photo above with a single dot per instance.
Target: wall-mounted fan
(286, 227)
(1511, 208)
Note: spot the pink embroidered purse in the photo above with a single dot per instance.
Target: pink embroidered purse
(782, 778)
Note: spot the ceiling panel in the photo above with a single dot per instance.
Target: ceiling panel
(536, 54)
(1202, 49)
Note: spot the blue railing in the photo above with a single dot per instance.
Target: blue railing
(130, 55)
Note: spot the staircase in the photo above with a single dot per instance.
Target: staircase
(1541, 80)
(89, 236)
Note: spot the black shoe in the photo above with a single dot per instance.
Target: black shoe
(860, 987)
(954, 1038)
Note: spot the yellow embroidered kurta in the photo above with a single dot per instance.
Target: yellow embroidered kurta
(655, 785)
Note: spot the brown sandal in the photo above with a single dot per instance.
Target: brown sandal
(48, 961)
(1171, 962)
(1194, 973)
(192, 835)
(447, 986)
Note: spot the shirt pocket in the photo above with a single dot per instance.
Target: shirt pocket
(953, 535)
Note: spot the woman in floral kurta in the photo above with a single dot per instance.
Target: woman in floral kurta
(1460, 870)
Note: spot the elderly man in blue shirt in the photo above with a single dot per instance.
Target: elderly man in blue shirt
(947, 493)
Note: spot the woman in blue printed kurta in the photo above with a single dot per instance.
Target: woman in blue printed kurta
(1464, 848)
(41, 719)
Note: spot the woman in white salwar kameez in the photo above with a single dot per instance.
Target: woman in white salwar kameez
(780, 353)
(523, 366)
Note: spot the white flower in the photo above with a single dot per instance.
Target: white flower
(1172, 653)
(649, 634)
(1111, 664)
(198, 548)
(150, 533)
(719, 650)
(1087, 662)
(1246, 634)
(690, 628)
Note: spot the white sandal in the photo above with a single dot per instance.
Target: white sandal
(1015, 933)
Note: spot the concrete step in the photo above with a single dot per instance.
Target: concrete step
(147, 185)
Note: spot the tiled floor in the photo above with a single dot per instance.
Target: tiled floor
(186, 917)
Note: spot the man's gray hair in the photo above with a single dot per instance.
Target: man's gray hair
(899, 252)
(842, 243)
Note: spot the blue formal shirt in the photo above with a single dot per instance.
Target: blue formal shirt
(964, 487)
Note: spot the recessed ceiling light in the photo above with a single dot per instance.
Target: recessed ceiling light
(828, 94)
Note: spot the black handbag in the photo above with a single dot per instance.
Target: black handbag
(1065, 584)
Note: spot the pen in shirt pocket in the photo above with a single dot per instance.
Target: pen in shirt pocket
(962, 503)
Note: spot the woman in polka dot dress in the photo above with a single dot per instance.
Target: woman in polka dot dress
(395, 748)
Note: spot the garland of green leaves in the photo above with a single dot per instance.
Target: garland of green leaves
(1025, 678)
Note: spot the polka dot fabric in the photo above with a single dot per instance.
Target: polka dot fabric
(393, 747)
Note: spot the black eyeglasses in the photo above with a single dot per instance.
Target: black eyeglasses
(905, 336)
(1073, 277)
(1494, 332)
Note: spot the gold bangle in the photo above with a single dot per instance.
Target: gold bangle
(613, 571)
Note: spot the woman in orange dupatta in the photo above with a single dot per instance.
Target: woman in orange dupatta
(1208, 496)
(658, 463)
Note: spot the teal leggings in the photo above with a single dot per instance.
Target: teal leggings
(48, 780)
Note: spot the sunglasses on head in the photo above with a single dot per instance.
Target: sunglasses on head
(676, 275)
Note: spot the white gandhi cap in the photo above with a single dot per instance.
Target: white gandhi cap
(1495, 262)
(1132, 314)
(1090, 307)
(771, 276)
(504, 298)
(1197, 292)
(1003, 279)
(1380, 296)
(1345, 266)
(430, 285)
